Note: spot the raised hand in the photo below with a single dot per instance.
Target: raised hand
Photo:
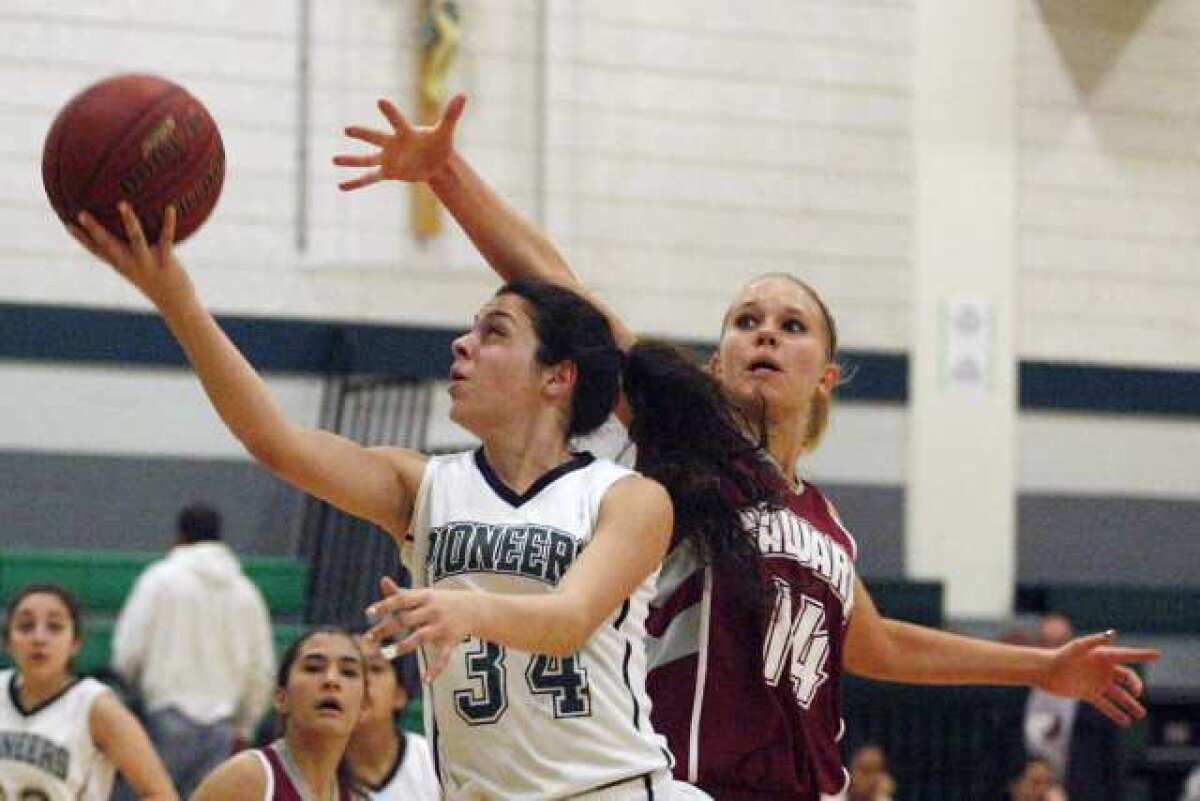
(1091, 669)
(152, 269)
(408, 153)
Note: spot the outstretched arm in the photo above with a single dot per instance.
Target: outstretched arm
(1088, 668)
(377, 484)
(513, 246)
(631, 537)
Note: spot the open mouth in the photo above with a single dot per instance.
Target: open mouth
(329, 705)
(759, 366)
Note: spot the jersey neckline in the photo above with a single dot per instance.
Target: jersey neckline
(401, 752)
(15, 696)
(578, 461)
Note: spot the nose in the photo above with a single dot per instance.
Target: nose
(332, 679)
(766, 336)
(459, 346)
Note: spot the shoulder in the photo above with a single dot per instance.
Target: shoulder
(824, 505)
(408, 464)
(634, 488)
(109, 720)
(97, 696)
(240, 778)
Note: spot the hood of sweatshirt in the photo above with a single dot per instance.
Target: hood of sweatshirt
(211, 562)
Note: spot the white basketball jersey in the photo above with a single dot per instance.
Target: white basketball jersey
(507, 724)
(413, 777)
(47, 753)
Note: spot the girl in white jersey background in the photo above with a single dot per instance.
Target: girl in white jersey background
(538, 366)
(62, 738)
(390, 763)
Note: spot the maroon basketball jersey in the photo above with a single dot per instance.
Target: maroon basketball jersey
(281, 786)
(757, 714)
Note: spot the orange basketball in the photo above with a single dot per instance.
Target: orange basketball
(138, 138)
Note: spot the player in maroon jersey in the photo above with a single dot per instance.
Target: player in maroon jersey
(320, 691)
(764, 727)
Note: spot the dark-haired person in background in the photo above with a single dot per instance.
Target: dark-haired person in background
(194, 639)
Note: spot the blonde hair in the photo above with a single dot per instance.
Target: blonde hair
(822, 403)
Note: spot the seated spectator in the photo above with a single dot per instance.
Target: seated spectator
(1036, 782)
(869, 776)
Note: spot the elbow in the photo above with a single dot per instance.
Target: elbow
(569, 635)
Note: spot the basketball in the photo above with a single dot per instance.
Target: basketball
(138, 138)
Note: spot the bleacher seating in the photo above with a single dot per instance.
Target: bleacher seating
(102, 580)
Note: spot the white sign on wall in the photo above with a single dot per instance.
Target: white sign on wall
(968, 328)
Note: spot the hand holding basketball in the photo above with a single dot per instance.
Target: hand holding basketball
(152, 269)
(409, 153)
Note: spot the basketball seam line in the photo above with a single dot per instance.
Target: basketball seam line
(155, 105)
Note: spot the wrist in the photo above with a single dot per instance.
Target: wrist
(443, 177)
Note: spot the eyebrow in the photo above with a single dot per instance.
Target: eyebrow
(493, 313)
(788, 309)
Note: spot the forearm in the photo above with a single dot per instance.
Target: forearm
(541, 624)
(510, 243)
(237, 392)
(919, 655)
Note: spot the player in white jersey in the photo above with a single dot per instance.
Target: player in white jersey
(62, 738)
(392, 764)
(538, 366)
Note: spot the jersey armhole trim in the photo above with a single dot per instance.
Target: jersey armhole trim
(693, 769)
(269, 788)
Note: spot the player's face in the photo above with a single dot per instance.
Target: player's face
(387, 696)
(495, 376)
(775, 347)
(42, 636)
(326, 686)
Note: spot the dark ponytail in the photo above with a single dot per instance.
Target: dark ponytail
(694, 442)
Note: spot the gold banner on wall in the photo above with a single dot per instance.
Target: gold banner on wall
(440, 32)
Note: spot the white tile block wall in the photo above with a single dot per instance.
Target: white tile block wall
(1109, 210)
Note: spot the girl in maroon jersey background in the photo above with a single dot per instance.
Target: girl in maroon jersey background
(769, 728)
(320, 691)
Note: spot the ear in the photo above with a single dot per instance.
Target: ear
(560, 379)
(76, 646)
(714, 364)
(280, 701)
(830, 377)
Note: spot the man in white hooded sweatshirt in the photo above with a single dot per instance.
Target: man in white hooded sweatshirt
(194, 638)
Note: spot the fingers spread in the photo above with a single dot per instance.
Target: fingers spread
(373, 177)
(398, 121)
(351, 160)
(82, 238)
(133, 227)
(369, 135)
(1129, 679)
(454, 110)
(1125, 701)
(1132, 654)
(166, 237)
(1111, 711)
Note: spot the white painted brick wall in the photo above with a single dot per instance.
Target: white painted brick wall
(1109, 201)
